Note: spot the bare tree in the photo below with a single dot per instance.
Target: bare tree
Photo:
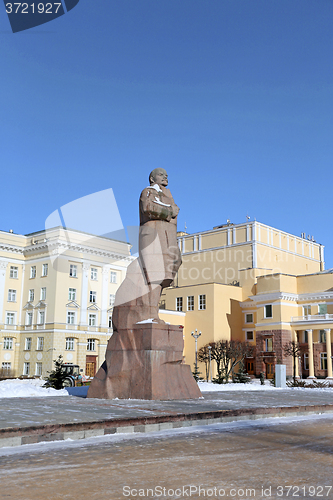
(203, 357)
(293, 348)
(227, 355)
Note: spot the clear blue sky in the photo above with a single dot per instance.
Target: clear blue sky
(233, 97)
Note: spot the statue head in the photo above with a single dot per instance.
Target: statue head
(158, 176)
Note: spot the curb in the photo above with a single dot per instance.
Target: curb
(17, 436)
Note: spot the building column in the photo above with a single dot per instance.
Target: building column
(84, 293)
(20, 322)
(105, 298)
(3, 267)
(329, 353)
(294, 336)
(311, 363)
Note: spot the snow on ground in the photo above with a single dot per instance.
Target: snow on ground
(254, 385)
(51, 446)
(16, 388)
(33, 388)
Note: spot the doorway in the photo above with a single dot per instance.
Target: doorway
(269, 370)
(91, 366)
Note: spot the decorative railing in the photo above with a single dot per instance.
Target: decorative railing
(10, 327)
(71, 326)
(312, 317)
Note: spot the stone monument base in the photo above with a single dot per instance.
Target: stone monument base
(145, 362)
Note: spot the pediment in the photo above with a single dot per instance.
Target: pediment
(28, 305)
(41, 303)
(93, 307)
(72, 303)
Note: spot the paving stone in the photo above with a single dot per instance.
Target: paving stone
(234, 457)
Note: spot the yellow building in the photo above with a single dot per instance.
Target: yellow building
(254, 283)
(57, 290)
(248, 282)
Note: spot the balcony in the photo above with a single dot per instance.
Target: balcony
(92, 328)
(71, 326)
(313, 318)
(10, 327)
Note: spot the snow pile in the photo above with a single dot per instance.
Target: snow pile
(254, 385)
(27, 388)
(251, 386)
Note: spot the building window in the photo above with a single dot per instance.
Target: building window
(249, 318)
(110, 321)
(323, 336)
(43, 293)
(268, 345)
(10, 318)
(33, 272)
(179, 303)
(69, 344)
(27, 346)
(6, 366)
(268, 311)
(92, 296)
(190, 303)
(202, 302)
(29, 319)
(26, 369)
(73, 271)
(112, 299)
(306, 361)
(41, 317)
(113, 277)
(307, 310)
(39, 369)
(70, 318)
(40, 343)
(11, 295)
(92, 320)
(249, 336)
(323, 360)
(45, 269)
(93, 273)
(91, 344)
(13, 273)
(322, 308)
(305, 337)
(8, 343)
(72, 293)
(31, 295)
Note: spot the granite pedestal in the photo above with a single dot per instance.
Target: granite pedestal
(145, 362)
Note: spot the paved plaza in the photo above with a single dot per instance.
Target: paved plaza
(269, 458)
(33, 420)
(24, 412)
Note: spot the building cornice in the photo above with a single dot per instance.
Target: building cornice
(272, 297)
(303, 297)
(287, 297)
(5, 247)
(57, 247)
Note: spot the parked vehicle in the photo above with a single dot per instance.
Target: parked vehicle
(72, 373)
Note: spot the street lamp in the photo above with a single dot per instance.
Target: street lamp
(196, 335)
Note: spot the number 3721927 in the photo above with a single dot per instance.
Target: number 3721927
(32, 8)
